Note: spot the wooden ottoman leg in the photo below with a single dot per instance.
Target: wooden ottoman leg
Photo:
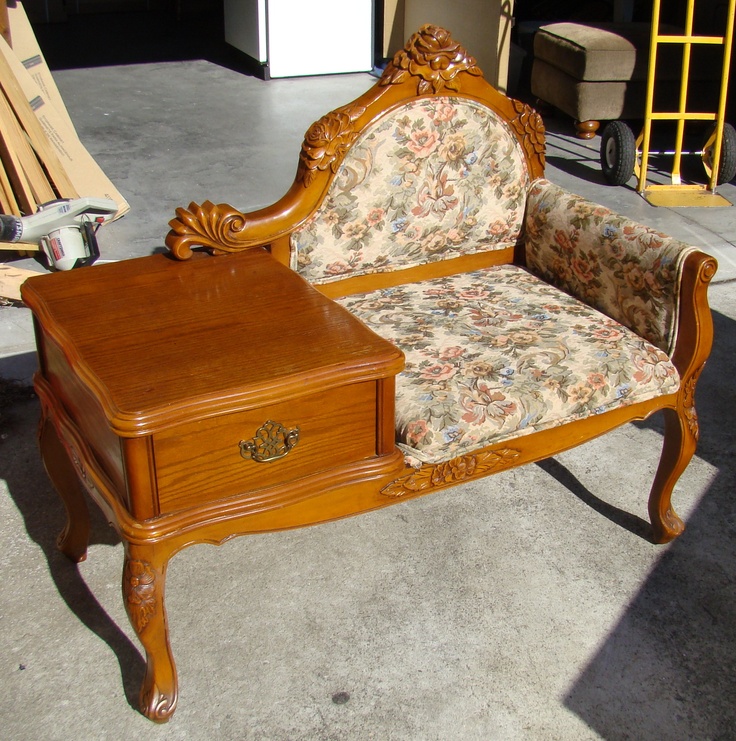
(144, 575)
(680, 440)
(73, 540)
(587, 129)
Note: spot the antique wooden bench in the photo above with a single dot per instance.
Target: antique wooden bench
(421, 309)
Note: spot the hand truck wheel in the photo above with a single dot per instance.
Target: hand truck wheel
(727, 165)
(618, 152)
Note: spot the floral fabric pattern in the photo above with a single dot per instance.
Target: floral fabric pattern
(433, 179)
(628, 271)
(497, 353)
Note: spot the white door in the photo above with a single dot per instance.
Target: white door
(319, 37)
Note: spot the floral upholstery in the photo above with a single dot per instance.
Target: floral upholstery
(497, 353)
(433, 179)
(622, 268)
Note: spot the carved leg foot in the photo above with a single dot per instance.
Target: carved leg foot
(144, 574)
(680, 439)
(586, 129)
(73, 540)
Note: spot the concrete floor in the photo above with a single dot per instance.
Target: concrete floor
(530, 605)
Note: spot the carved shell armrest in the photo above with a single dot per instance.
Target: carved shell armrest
(219, 228)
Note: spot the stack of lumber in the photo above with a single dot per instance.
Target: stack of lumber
(41, 154)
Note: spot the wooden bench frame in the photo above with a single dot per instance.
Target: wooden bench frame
(122, 389)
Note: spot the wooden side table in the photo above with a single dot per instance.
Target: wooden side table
(201, 400)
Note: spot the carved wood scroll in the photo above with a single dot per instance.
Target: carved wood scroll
(433, 58)
(208, 225)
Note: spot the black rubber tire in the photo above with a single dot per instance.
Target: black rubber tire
(618, 153)
(727, 166)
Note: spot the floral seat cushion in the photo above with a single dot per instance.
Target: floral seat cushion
(497, 353)
(431, 180)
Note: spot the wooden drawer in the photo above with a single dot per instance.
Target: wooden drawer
(201, 461)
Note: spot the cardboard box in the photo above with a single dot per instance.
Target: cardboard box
(79, 166)
(26, 48)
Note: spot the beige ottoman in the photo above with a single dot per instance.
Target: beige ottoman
(593, 72)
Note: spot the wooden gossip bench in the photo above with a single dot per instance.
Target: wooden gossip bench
(421, 309)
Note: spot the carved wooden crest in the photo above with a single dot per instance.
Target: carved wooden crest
(433, 58)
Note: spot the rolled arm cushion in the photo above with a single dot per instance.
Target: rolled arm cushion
(498, 353)
(432, 179)
(624, 269)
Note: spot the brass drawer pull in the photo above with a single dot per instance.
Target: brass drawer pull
(271, 442)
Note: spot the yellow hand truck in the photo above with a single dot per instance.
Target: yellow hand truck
(623, 155)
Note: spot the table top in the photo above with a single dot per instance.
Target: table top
(157, 340)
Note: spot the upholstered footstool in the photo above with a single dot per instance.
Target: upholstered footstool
(593, 73)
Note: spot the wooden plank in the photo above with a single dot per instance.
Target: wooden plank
(11, 152)
(17, 139)
(4, 22)
(8, 204)
(27, 118)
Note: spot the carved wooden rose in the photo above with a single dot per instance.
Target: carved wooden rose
(326, 141)
(433, 57)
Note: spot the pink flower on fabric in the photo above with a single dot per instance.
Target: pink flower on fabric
(582, 269)
(416, 431)
(438, 372)
(337, 268)
(448, 353)
(375, 216)
(472, 294)
(423, 142)
(610, 334)
(597, 380)
(565, 240)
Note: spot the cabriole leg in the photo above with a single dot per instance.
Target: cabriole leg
(680, 440)
(73, 540)
(144, 575)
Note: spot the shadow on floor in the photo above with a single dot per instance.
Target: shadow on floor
(43, 517)
(620, 694)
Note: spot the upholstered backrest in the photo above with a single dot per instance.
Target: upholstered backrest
(431, 179)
